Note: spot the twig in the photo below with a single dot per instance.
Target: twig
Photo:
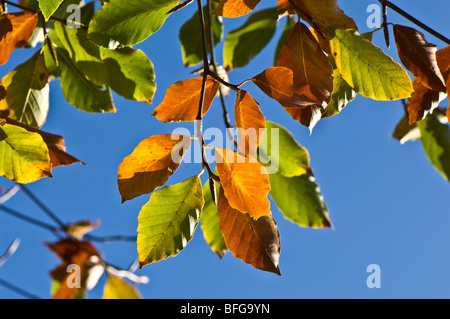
(415, 21)
(9, 193)
(10, 251)
(110, 238)
(18, 290)
(30, 220)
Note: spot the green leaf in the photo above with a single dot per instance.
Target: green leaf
(117, 288)
(128, 22)
(168, 221)
(210, 222)
(367, 69)
(242, 44)
(300, 200)
(27, 92)
(24, 156)
(284, 153)
(435, 137)
(127, 71)
(191, 39)
(48, 7)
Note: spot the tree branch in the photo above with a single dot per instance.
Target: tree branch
(17, 290)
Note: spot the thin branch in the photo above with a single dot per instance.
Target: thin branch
(17, 290)
(30, 220)
(9, 193)
(108, 239)
(415, 21)
(10, 251)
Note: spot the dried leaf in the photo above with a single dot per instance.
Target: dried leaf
(423, 103)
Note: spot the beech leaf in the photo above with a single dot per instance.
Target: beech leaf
(117, 288)
(235, 8)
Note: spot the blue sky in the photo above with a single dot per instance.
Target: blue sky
(387, 203)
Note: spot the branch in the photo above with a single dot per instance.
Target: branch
(18, 290)
(415, 21)
(30, 220)
(10, 251)
(9, 193)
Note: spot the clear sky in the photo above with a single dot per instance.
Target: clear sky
(387, 203)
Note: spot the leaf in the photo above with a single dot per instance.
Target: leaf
(443, 60)
(284, 153)
(423, 102)
(367, 69)
(79, 253)
(168, 221)
(151, 164)
(242, 44)
(287, 29)
(300, 200)
(182, 100)
(24, 155)
(284, 7)
(303, 55)
(16, 30)
(210, 222)
(49, 7)
(245, 183)
(419, 57)
(405, 132)
(79, 229)
(127, 71)
(128, 22)
(436, 143)
(308, 116)
(27, 92)
(250, 122)
(277, 83)
(256, 242)
(191, 39)
(117, 288)
(235, 8)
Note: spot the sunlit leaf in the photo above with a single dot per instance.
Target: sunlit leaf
(443, 60)
(151, 163)
(423, 102)
(128, 22)
(168, 221)
(117, 288)
(182, 100)
(16, 30)
(367, 69)
(48, 7)
(235, 8)
(404, 131)
(242, 44)
(256, 242)
(245, 183)
(79, 229)
(290, 23)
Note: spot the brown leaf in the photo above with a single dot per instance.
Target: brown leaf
(443, 61)
(182, 100)
(283, 6)
(256, 242)
(235, 8)
(245, 182)
(71, 252)
(304, 56)
(15, 31)
(278, 83)
(308, 116)
(78, 230)
(423, 103)
(151, 164)
(250, 123)
(419, 57)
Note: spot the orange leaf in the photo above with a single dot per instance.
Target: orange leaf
(304, 56)
(277, 83)
(182, 100)
(284, 6)
(419, 57)
(256, 242)
(15, 31)
(245, 182)
(308, 116)
(250, 123)
(423, 103)
(235, 8)
(151, 163)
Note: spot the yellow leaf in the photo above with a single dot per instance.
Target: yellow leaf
(235, 8)
(117, 288)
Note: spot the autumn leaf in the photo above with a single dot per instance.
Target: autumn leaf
(443, 60)
(151, 164)
(419, 57)
(250, 123)
(283, 6)
(404, 131)
(235, 8)
(79, 229)
(168, 221)
(245, 183)
(117, 288)
(182, 99)
(16, 29)
(423, 102)
(256, 242)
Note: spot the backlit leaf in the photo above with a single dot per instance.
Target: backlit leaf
(405, 132)
(367, 69)
(24, 156)
(256, 242)
(117, 288)
(27, 92)
(443, 60)
(290, 24)
(15, 31)
(250, 123)
(242, 44)
(128, 22)
(182, 100)
(308, 116)
(235, 8)
(419, 57)
(168, 221)
(245, 183)
(151, 164)
(423, 102)
(48, 7)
